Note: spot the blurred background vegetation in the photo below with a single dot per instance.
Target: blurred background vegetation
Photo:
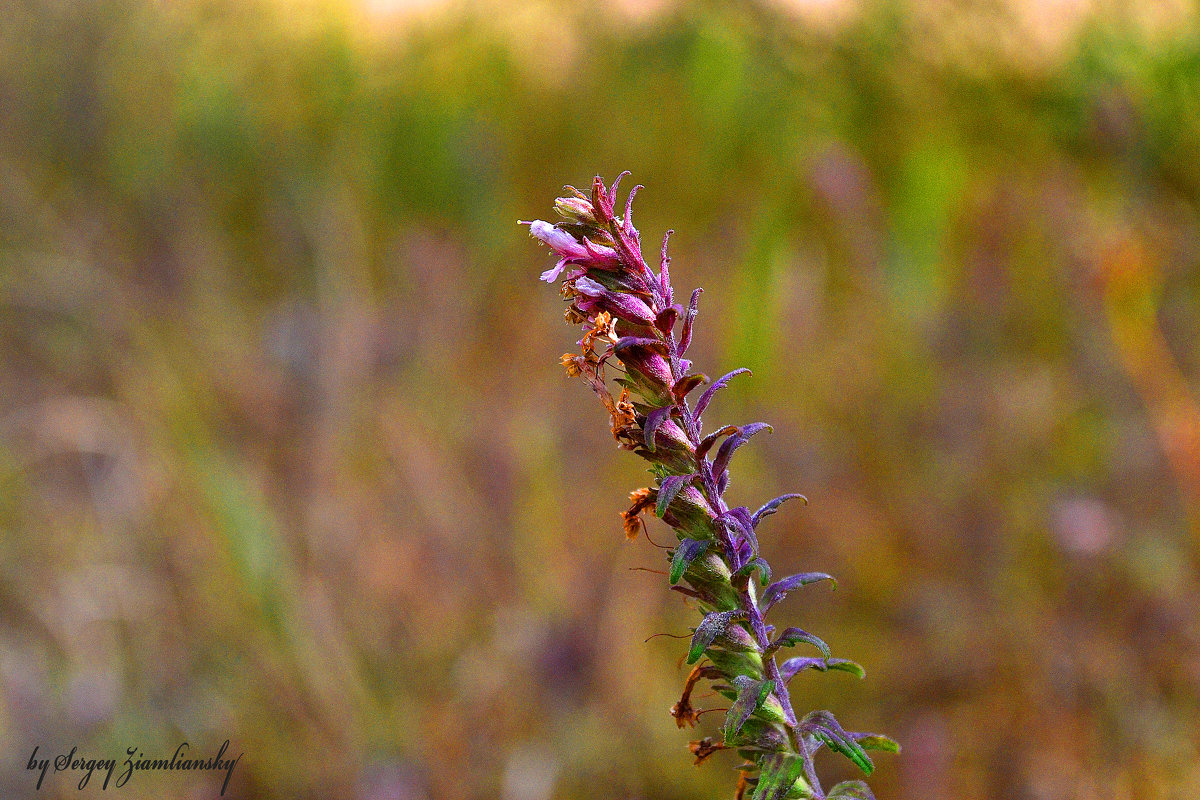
(286, 455)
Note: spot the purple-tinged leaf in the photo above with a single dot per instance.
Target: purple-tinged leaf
(685, 339)
(668, 489)
(737, 520)
(764, 570)
(789, 668)
(794, 636)
(793, 666)
(712, 626)
(740, 554)
(686, 384)
(825, 728)
(708, 441)
(603, 256)
(653, 420)
(850, 790)
(687, 552)
(777, 591)
(778, 775)
(771, 506)
(751, 694)
(727, 448)
(717, 385)
(742, 515)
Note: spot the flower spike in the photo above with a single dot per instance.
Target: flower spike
(629, 321)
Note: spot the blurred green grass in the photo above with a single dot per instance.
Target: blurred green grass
(286, 456)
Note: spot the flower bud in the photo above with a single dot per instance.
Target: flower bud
(576, 209)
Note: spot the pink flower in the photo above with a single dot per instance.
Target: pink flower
(570, 249)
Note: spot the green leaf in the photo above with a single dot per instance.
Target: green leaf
(670, 487)
(846, 665)
(750, 697)
(712, 626)
(779, 774)
(847, 747)
(877, 741)
(825, 728)
(687, 552)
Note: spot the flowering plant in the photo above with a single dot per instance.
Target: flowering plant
(629, 318)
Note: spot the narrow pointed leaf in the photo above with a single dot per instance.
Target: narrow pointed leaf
(750, 697)
(735, 521)
(760, 564)
(689, 316)
(670, 487)
(664, 273)
(628, 220)
(742, 515)
(876, 741)
(708, 441)
(653, 420)
(725, 452)
(778, 774)
(789, 668)
(779, 590)
(712, 626)
(795, 636)
(848, 748)
(717, 385)
(687, 552)
(772, 506)
(825, 728)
